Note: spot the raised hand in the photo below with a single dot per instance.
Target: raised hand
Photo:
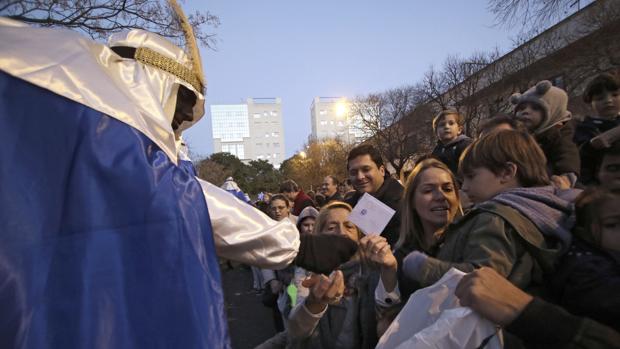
(323, 290)
(376, 250)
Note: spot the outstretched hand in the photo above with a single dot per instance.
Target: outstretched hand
(323, 253)
(323, 290)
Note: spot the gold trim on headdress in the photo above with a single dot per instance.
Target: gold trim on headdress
(153, 58)
(190, 40)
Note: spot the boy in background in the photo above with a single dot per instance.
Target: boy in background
(603, 96)
(451, 142)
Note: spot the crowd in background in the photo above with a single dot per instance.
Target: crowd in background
(528, 208)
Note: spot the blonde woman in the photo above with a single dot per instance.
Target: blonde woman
(430, 202)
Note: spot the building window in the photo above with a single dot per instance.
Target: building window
(266, 135)
(323, 122)
(256, 115)
(234, 149)
(276, 145)
(322, 112)
(274, 113)
(275, 134)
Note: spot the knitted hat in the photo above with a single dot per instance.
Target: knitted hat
(305, 213)
(552, 100)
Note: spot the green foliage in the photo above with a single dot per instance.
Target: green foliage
(252, 178)
(263, 177)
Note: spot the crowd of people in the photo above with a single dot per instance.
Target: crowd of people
(527, 208)
(110, 240)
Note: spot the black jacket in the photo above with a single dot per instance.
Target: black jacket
(587, 283)
(544, 325)
(584, 131)
(335, 197)
(450, 153)
(390, 194)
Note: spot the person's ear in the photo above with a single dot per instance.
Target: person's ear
(460, 129)
(509, 173)
(382, 170)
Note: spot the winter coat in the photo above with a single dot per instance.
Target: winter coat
(561, 153)
(587, 283)
(496, 236)
(545, 325)
(335, 197)
(450, 153)
(302, 200)
(390, 194)
(585, 130)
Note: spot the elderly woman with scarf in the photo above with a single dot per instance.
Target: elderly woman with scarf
(339, 312)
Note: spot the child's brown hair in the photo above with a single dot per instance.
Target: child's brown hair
(587, 207)
(497, 148)
(601, 83)
(460, 120)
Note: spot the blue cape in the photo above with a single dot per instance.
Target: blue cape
(104, 242)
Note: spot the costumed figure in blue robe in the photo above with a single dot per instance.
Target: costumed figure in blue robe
(107, 238)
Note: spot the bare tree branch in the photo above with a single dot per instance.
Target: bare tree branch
(531, 13)
(100, 18)
(386, 116)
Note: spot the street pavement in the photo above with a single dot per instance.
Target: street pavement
(249, 322)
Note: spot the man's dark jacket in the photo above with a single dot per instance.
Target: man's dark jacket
(335, 197)
(390, 194)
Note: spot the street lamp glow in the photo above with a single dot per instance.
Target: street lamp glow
(341, 109)
(302, 154)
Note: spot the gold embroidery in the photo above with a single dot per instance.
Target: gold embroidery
(153, 58)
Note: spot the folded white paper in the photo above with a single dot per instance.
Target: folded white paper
(371, 215)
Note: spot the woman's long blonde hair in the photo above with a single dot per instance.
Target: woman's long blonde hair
(411, 226)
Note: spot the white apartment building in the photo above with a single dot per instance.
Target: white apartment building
(250, 131)
(331, 117)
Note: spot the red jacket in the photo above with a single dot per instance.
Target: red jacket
(301, 201)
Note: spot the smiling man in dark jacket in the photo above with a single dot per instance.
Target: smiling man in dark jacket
(368, 175)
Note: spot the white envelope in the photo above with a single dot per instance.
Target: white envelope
(371, 215)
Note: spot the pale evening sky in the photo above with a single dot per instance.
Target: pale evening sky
(297, 50)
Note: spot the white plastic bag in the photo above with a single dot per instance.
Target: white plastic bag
(433, 318)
